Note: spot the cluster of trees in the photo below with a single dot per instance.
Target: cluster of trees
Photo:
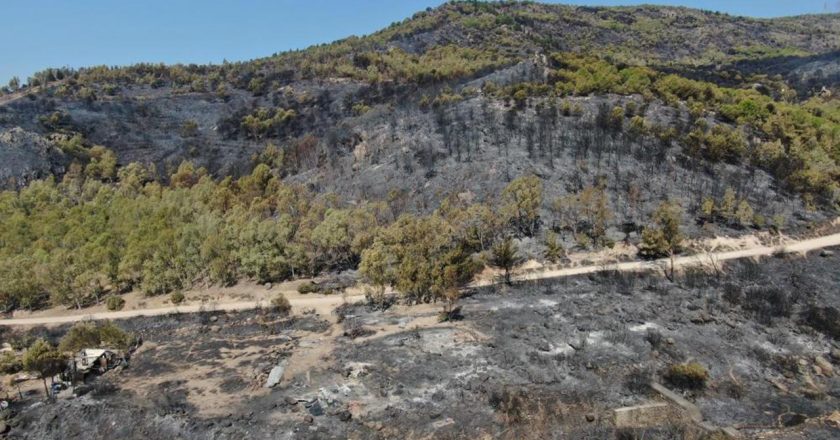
(798, 143)
(734, 211)
(264, 121)
(101, 231)
(586, 214)
(46, 360)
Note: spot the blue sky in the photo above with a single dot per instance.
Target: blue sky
(77, 33)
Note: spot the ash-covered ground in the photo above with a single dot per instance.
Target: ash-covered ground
(542, 360)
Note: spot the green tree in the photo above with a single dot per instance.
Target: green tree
(554, 250)
(102, 165)
(11, 364)
(521, 203)
(419, 257)
(728, 205)
(377, 266)
(504, 256)
(744, 213)
(90, 335)
(664, 237)
(707, 209)
(43, 359)
(14, 84)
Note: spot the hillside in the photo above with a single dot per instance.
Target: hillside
(463, 114)
(490, 220)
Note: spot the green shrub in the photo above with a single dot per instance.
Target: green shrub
(281, 304)
(177, 298)
(114, 303)
(308, 287)
(690, 375)
(10, 363)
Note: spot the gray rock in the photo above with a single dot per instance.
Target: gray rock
(316, 409)
(825, 366)
(276, 374)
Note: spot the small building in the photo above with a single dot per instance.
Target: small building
(92, 361)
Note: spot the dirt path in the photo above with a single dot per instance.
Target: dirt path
(318, 303)
(701, 259)
(322, 303)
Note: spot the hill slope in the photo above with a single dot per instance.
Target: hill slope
(613, 110)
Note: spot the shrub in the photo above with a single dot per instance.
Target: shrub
(114, 303)
(308, 287)
(177, 298)
(732, 293)
(10, 363)
(768, 302)
(690, 375)
(823, 319)
(281, 304)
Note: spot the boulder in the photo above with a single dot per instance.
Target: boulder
(275, 374)
(825, 366)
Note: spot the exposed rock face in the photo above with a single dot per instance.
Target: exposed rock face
(25, 156)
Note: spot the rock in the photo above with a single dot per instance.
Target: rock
(670, 341)
(268, 286)
(290, 400)
(215, 328)
(825, 366)
(376, 426)
(214, 318)
(4, 428)
(590, 417)
(308, 419)
(835, 354)
(357, 369)
(826, 253)
(344, 416)
(701, 318)
(316, 409)
(276, 374)
(833, 419)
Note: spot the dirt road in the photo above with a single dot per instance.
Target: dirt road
(685, 261)
(323, 303)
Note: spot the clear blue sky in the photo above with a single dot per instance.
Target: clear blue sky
(52, 33)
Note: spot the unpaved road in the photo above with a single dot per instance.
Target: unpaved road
(684, 261)
(321, 302)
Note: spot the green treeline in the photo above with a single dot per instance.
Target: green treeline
(81, 240)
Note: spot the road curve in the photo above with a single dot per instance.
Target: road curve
(335, 300)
